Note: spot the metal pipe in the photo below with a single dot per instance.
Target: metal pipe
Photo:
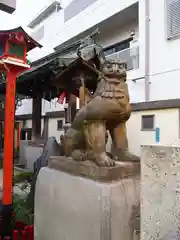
(147, 51)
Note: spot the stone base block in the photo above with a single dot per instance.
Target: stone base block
(90, 170)
(160, 193)
(69, 207)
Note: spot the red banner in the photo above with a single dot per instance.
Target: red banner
(61, 98)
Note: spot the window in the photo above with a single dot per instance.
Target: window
(59, 124)
(147, 122)
(117, 47)
(75, 7)
(121, 51)
(173, 18)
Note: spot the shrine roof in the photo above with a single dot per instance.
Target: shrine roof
(41, 78)
(51, 78)
(31, 43)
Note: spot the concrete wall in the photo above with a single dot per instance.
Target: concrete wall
(168, 122)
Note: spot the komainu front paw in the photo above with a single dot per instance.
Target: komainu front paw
(103, 160)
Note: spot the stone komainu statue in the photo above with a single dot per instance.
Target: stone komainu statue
(108, 108)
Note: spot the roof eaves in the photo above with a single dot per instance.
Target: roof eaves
(55, 54)
(45, 13)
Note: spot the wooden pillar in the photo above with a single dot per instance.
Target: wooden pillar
(36, 117)
(45, 128)
(72, 106)
(70, 111)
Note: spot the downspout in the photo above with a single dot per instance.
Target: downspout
(147, 51)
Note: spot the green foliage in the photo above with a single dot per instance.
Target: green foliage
(23, 176)
(2, 77)
(22, 211)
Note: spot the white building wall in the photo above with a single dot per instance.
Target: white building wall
(164, 64)
(26, 107)
(51, 28)
(164, 56)
(137, 89)
(94, 14)
(56, 31)
(52, 128)
(168, 122)
(29, 124)
(105, 39)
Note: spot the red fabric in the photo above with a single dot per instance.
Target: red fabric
(20, 225)
(61, 98)
(15, 235)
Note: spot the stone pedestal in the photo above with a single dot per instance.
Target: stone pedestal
(78, 208)
(160, 196)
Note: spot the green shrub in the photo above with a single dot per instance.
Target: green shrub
(23, 176)
(22, 211)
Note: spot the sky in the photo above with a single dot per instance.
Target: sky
(26, 10)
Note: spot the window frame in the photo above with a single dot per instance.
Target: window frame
(115, 46)
(169, 35)
(146, 116)
(59, 129)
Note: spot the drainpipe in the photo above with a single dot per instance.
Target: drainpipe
(147, 50)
